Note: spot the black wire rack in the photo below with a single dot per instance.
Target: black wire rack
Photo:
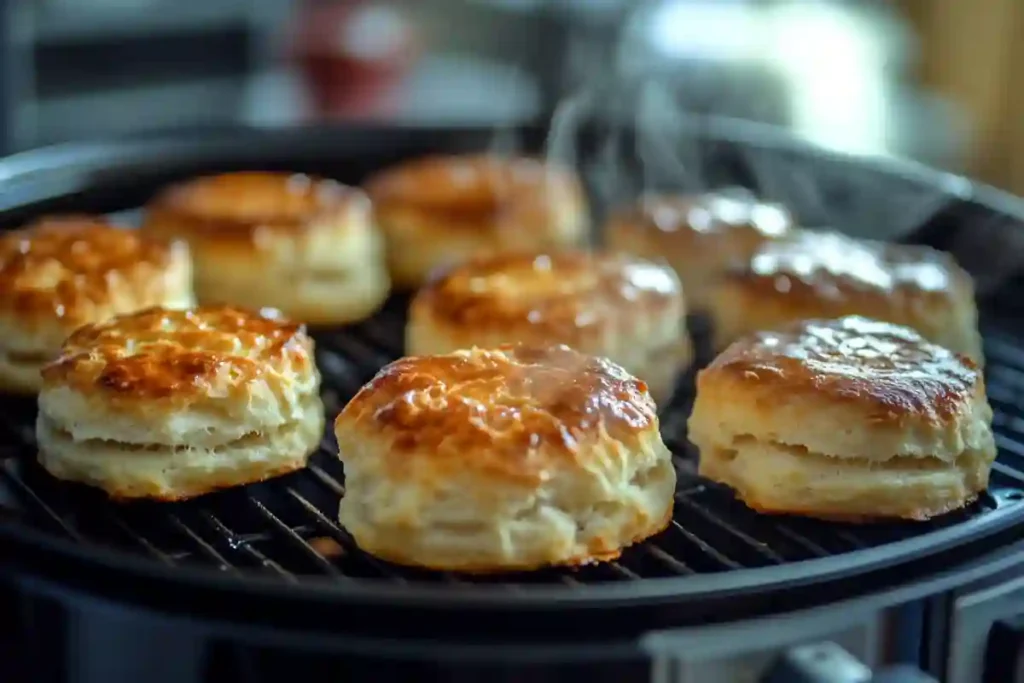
(287, 528)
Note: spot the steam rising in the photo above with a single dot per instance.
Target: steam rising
(661, 142)
(648, 139)
(505, 141)
(642, 143)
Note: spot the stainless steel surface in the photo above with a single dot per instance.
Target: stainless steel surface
(163, 90)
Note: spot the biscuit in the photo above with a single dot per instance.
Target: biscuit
(850, 419)
(305, 246)
(62, 272)
(501, 460)
(438, 211)
(827, 275)
(170, 405)
(700, 236)
(613, 305)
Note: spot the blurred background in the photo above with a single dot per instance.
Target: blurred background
(925, 79)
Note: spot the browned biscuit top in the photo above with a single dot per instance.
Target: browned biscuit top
(853, 360)
(515, 412)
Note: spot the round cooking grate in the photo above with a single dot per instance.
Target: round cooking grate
(287, 527)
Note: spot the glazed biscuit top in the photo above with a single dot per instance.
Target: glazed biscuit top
(474, 187)
(177, 357)
(854, 360)
(238, 205)
(836, 267)
(513, 413)
(66, 267)
(684, 219)
(562, 292)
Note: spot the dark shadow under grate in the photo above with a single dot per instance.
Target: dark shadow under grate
(286, 527)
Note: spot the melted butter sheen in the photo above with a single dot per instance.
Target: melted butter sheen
(712, 213)
(565, 289)
(493, 409)
(827, 263)
(61, 263)
(157, 353)
(247, 202)
(473, 186)
(856, 358)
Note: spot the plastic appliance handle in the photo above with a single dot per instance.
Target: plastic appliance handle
(829, 663)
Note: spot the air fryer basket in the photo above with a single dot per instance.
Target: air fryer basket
(274, 550)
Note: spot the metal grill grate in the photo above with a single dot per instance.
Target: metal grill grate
(286, 527)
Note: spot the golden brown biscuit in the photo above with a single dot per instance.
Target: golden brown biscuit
(64, 271)
(827, 275)
(306, 246)
(613, 305)
(173, 404)
(441, 210)
(701, 236)
(850, 419)
(503, 460)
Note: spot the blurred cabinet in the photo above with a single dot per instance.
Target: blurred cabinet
(970, 53)
(93, 68)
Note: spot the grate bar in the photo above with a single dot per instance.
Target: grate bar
(1009, 444)
(239, 544)
(757, 546)
(1007, 353)
(691, 490)
(622, 571)
(673, 563)
(326, 479)
(342, 536)
(296, 540)
(850, 538)
(208, 550)
(383, 338)
(704, 547)
(38, 502)
(336, 371)
(1002, 392)
(1009, 472)
(801, 540)
(138, 538)
(365, 355)
(1007, 376)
